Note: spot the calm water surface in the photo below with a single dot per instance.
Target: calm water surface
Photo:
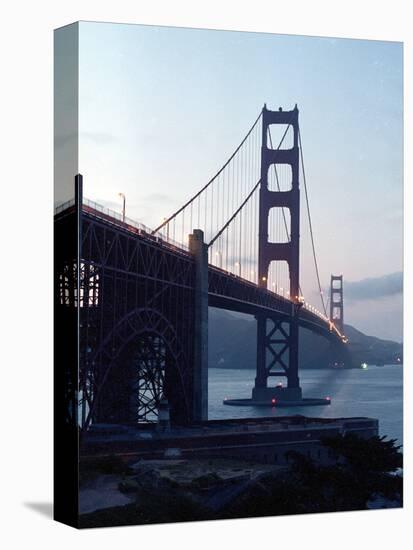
(376, 392)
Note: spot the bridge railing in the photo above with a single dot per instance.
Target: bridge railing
(64, 206)
(117, 218)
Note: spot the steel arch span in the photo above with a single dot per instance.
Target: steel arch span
(128, 293)
(139, 362)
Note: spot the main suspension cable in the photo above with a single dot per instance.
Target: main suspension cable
(311, 225)
(234, 215)
(165, 222)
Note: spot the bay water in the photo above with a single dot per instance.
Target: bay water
(375, 392)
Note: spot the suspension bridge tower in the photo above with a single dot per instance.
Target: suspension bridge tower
(339, 354)
(277, 339)
(336, 302)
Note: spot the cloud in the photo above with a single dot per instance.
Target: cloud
(374, 288)
(157, 197)
(112, 205)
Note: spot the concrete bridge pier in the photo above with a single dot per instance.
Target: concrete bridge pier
(274, 343)
(199, 249)
(261, 376)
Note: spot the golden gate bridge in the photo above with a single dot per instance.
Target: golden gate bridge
(140, 296)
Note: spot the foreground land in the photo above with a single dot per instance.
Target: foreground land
(364, 474)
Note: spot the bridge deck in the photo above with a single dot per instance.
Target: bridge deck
(226, 290)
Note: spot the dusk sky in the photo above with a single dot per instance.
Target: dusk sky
(160, 109)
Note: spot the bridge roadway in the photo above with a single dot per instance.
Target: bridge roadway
(225, 290)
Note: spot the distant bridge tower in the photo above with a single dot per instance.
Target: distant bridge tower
(277, 345)
(336, 302)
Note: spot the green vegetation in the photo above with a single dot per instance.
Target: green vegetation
(364, 471)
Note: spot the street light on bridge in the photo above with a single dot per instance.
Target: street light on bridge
(124, 206)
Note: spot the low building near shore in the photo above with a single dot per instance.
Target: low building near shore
(262, 440)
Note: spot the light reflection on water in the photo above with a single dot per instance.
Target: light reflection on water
(376, 392)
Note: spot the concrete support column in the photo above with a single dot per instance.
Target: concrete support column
(200, 370)
(261, 377)
(292, 375)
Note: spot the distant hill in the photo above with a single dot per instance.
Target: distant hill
(232, 344)
(371, 349)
